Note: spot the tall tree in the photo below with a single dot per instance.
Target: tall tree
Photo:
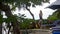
(8, 5)
(19, 3)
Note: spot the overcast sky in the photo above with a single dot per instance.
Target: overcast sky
(35, 11)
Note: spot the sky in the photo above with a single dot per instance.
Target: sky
(35, 10)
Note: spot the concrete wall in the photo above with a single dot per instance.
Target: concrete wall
(36, 31)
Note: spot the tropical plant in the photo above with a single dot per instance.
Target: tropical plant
(8, 5)
(54, 16)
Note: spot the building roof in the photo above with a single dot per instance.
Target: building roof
(55, 5)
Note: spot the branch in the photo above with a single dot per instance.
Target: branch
(30, 13)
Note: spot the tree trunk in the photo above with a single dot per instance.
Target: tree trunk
(0, 23)
(9, 27)
(34, 23)
(30, 13)
(0, 28)
(16, 28)
(7, 10)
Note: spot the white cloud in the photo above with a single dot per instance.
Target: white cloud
(35, 11)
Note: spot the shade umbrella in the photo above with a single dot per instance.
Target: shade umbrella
(55, 5)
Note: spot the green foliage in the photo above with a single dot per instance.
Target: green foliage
(18, 3)
(1, 19)
(58, 15)
(12, 18)
(54, 16)
(45, 21)
(25, 24)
